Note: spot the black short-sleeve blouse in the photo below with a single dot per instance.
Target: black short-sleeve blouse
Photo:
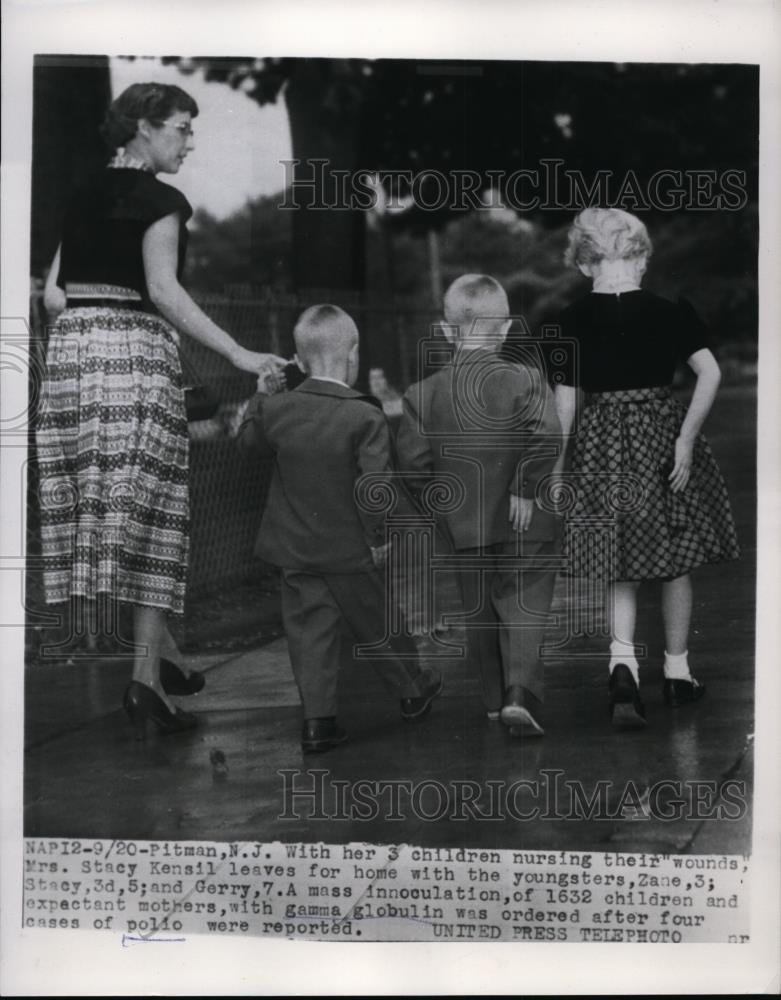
(632, 340)
(104, 228)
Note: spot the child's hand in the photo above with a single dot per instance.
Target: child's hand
(235, 418)
(682, 468)
(270, 383)
(520, 512)
(380, 555)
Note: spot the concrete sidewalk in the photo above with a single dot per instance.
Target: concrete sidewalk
(86, 777)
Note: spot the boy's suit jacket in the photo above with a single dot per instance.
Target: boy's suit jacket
(492, 424)
(322, 437)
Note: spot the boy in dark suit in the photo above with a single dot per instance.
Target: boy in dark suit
(492, 424)
(323, 436)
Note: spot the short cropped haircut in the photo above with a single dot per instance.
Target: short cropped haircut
(323, 331)
(606, 234)
(317, 316)
(475, 296)
(153, 101)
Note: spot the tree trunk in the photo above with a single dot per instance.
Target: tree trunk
(328, 242)
(70, 97)
(325, 104)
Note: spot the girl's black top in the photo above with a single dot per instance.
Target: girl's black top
(631, 340)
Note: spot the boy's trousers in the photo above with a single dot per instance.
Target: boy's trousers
(507, 603)
(314, 607)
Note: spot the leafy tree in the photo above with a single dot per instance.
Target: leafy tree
(489, 118)
(251, 246)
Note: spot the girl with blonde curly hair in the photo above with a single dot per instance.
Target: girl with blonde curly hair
(638, 461)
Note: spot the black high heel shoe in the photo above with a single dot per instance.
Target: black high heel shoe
(143, 705)
(176, 681)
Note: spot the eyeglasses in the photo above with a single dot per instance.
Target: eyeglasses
(183, 128)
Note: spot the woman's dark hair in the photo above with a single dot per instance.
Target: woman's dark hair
(153, 101)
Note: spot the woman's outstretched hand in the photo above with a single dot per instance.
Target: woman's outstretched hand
(257, 363)
(679, 477)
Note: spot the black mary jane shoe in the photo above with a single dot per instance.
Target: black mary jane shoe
(323, 734)
(143, 705)
(626, 706)
(681, 692)
(176, 681)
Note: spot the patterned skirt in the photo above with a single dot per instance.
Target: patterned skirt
(112, 455)
(623, 520)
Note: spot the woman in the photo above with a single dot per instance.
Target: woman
(640, 468)
(112, 438)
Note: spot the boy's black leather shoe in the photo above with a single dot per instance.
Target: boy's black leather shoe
(413, 709)
(318, 735)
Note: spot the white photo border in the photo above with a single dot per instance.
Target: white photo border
(88, 963)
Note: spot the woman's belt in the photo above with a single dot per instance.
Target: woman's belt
(649, 395)
(80, 294)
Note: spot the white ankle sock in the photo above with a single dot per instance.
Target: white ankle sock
(676, 666)
(624, 652)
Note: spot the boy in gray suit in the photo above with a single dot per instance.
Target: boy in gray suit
(492, 424)
(323, 436)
